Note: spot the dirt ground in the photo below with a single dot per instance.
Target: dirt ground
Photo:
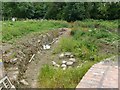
(41, 58)
(17, 69)
(29, 71)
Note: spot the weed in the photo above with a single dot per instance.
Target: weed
(57, 78)
(12, 30)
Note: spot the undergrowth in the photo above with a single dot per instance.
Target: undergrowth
(57, 78)
(12, 30)
(86, 38)
(84, 42)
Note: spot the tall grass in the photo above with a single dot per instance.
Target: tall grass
(90, 23)
(12, 30)
(86, 38)
(57, 78)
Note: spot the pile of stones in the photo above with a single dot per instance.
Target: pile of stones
(67, 60)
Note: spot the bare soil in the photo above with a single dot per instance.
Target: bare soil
(23, 51)
(26, 47)
(42, 58)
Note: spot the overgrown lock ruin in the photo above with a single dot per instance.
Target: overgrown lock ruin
(17, 58)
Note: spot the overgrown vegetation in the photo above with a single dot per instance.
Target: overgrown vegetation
(86, 38)
(70, 11)
(12, 30)
(57, 78)
(91, 41)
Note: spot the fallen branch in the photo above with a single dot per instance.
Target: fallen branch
(54, 40)
(32, 57)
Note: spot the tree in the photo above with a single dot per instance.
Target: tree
(40, 10)
(94, 13)
(88, 8)
(74, 11)
(114, 11)
(9, 9)
(24, 10)
(53, 10)
(70, 11)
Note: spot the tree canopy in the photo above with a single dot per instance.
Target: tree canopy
(70, 11)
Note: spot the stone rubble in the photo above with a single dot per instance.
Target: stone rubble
(46, 47)
(63, 65)
(71, 56)
(72, 59)
(67, 54)
(14, 60)
(24, 82)
(69, 63)
(61, 55)
(55, 64)
(20, 54)
(63, 62)
(67, 60)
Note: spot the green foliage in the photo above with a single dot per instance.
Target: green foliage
(74, 11)
(81, 48)
(13, 30)
(66, 45)
(91, 23)
(50, 77)
(86, 37)
(70, 11)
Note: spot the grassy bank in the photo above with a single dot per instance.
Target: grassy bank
(58, 78)
(12, 30)
(91, 41)
(88, 38)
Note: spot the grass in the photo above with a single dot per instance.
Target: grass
(57, 78)
(86, 39)
(82, 49)
(13, 30)
(90, 23)
(84, 42)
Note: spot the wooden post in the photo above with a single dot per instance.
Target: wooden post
(1, 69)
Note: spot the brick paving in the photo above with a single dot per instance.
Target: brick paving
(101, 75)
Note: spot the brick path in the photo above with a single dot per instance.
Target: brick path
(101, 75)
